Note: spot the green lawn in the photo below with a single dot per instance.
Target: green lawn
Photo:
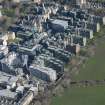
(82, 96)
(95, 66)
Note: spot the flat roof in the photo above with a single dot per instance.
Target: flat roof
(8, 93)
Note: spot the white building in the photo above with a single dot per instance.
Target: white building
(43, 73)
(103, 20)
(18, 1)
(3, 47)
(0, 14)
(80, 2)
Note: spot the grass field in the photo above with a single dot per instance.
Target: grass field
(95, 66)
(82, 96)
(94, 69)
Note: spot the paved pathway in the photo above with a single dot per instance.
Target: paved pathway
(85, 83)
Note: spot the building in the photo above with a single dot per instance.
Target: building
(103, 19)
(79, 40)
(86, 33)
(80, 2)
(58, 25)
(37, 1)
(93, 26)
(3, 36)
(0, 14)
(24, 35)
(3, 48)
(11, 63)
(19, 1)
(75, 48)
(29, 50)
(43, 73)
(11, 36)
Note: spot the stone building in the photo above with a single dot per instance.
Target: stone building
(78, 2)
